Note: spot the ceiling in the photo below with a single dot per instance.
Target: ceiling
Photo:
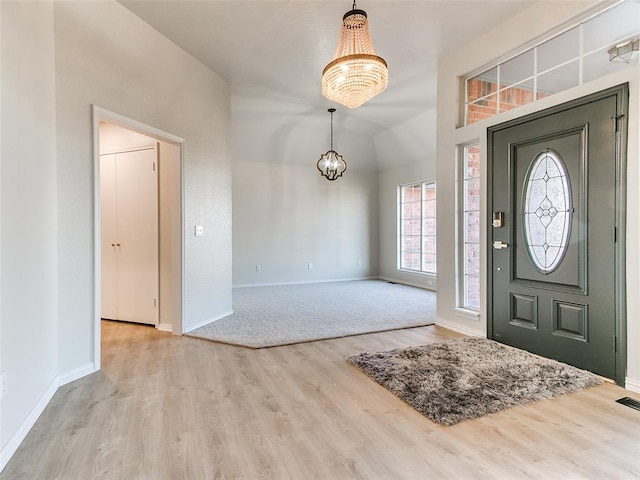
(272, 53)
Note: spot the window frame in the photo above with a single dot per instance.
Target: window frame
(423, 186)
(462, 275)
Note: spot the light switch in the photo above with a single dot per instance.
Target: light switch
(199, 230)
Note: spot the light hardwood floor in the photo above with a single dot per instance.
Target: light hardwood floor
(167, 407)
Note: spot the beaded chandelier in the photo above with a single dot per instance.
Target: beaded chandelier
(356, 74)
(331, 164)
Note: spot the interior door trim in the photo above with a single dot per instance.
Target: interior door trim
(619, 125)
(98, 114)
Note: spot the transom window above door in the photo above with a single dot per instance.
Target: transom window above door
(576, 55)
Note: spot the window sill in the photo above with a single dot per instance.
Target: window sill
(415, 272)
(468, 314)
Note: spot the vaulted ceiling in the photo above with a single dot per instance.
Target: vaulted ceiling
(272, 53)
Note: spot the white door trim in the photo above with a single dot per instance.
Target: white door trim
(100, 113)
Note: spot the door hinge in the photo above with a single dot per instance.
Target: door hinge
(154, 166)
(616, 122)
(615, 234)
(155, 303)
(615, 343)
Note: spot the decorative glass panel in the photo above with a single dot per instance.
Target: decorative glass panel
(547, 211)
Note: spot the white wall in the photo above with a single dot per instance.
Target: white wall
(107, 56)
(2, 463)
(409, 142)
(287, 216)
(533, 22)
(28, 316)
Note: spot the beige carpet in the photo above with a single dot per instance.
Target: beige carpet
(282, 315)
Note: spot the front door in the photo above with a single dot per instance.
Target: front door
(554, 232)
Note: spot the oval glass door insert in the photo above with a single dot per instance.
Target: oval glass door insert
(547, 211)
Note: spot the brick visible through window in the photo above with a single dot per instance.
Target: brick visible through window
(470, 228)
(417, 227)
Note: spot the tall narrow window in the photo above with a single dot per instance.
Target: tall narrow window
(417, 246)
(470, 228)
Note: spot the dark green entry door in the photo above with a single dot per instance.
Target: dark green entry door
(553, 233)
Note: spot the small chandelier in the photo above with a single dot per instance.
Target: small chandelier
(625, 52)
(356, 74)
(331, 164)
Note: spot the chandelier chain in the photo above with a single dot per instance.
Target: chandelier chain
(331, 129)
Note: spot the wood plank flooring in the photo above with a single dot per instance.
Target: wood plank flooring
(167, 407)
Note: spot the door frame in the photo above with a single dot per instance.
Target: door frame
(98, 114)
(621, 92)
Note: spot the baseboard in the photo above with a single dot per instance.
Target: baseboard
(19, 435)
(305, 282)
(459, 328)
(632, 384)
(76, 373)
(165, 327)
(410, 284)
(209, 320)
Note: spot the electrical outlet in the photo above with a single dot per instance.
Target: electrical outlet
(198, 230)
(4, 385)
(430, 283)
(258, 268)
(310, 266)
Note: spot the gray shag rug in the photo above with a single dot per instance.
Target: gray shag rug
(282, 315)
(469, 378)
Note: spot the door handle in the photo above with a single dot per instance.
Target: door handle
(498, 245)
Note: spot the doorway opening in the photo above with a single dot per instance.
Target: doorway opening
(137, 224)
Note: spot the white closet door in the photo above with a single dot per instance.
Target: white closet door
(137, 217)
(109, 234)
(129, 243)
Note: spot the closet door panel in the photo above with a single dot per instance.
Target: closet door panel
(109, 236)
(137, 212)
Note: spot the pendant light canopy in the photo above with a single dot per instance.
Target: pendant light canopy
(331, 165)
(356, 74)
